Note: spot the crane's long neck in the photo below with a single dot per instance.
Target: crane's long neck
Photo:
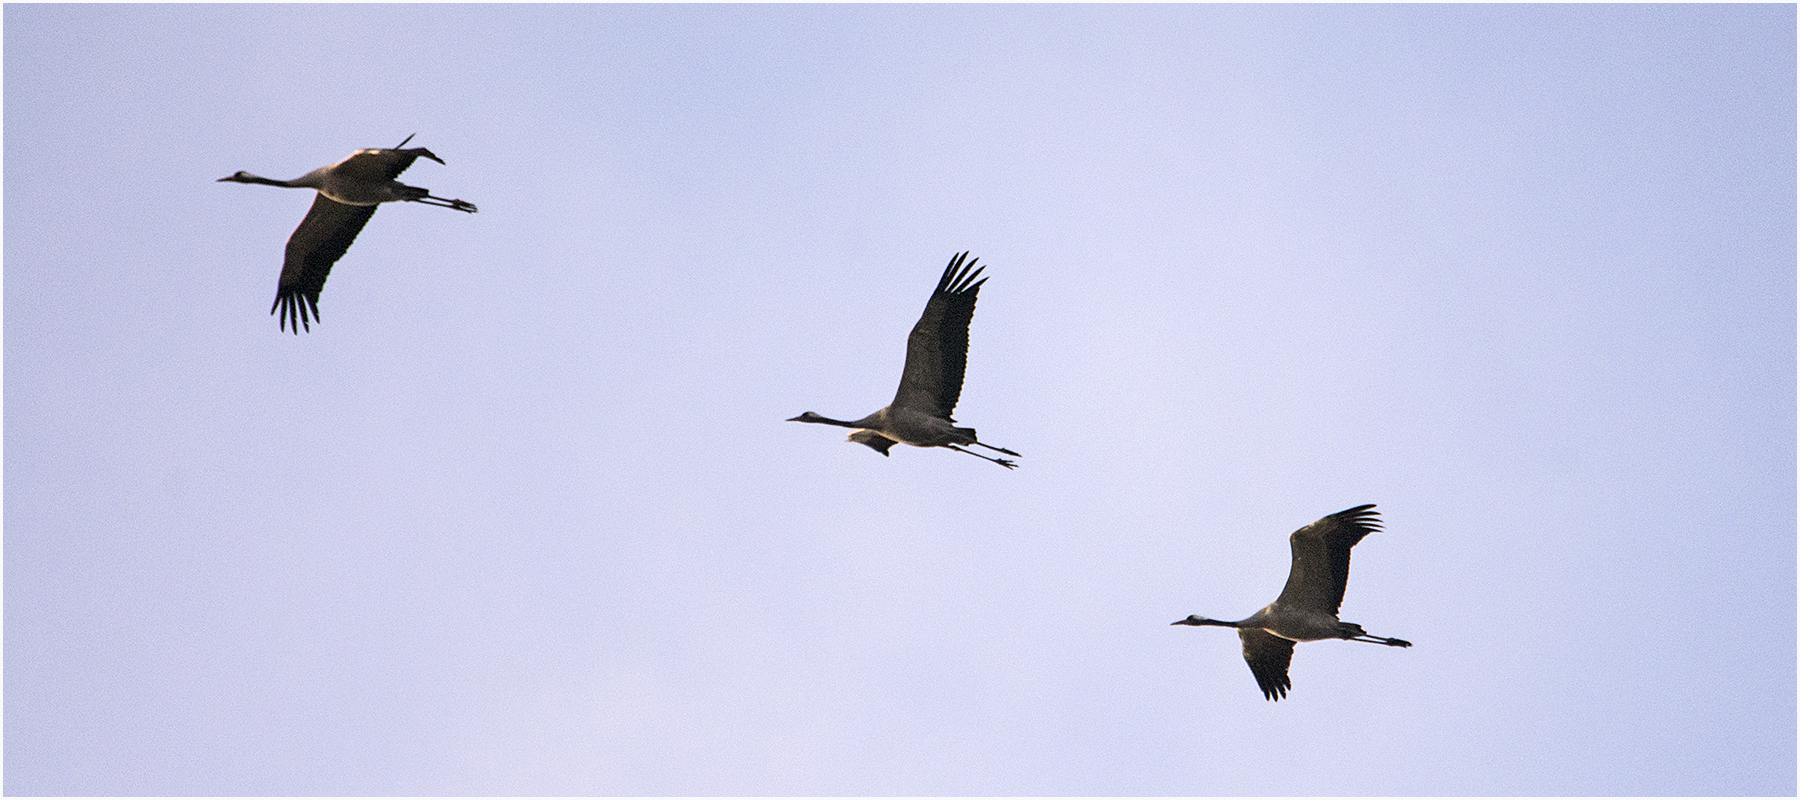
(811, 417)
(311, 180)
(1198, 621)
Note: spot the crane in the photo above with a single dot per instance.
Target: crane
(1307, 609)
(936, 352)
(349, 191)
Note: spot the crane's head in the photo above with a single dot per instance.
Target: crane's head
(238, 177)
(807, 417)
(1197, 621)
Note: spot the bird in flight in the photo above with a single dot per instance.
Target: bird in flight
(936, 352)
(1307, 610)
(349, 191)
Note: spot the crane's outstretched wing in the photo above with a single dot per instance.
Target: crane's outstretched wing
(319, 242)
(1268, 656)
(1322, 559)
(874, 440)
(381, 165)
(938, 347)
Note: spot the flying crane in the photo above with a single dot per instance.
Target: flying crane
(1307, 610)
(349, 191)
(937, 350)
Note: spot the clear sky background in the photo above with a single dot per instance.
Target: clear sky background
(522, 514)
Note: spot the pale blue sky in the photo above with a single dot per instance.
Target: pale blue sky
(522, 516)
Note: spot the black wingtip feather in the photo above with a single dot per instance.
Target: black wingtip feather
(960, 278)
(1363, 515)
(291, 311)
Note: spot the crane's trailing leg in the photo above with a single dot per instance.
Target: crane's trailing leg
(459, 205)
(1001, 461)
(1354, 632)
(998, 449)
(1381, 640)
